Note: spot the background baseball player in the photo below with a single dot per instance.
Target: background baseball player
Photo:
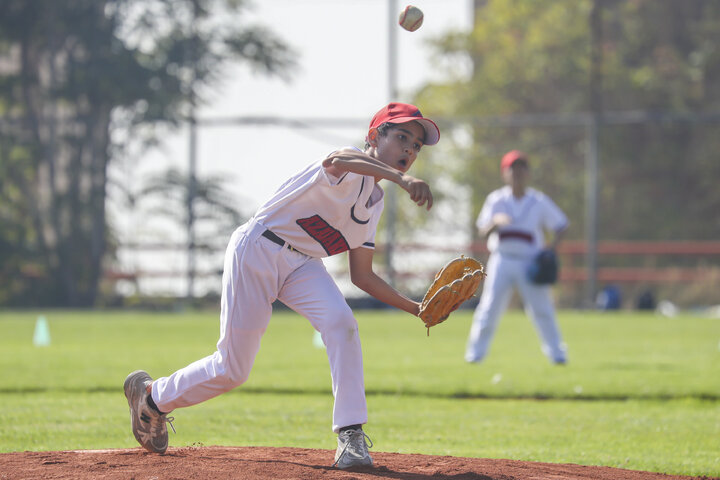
(515, 219)
(331, 206)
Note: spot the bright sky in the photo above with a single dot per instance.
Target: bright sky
(343, 72)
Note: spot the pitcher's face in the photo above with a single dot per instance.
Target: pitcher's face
(400, 146)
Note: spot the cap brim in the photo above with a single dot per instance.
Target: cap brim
(432, 132)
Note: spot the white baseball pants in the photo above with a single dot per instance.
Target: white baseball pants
(503, 274)
(256, 272)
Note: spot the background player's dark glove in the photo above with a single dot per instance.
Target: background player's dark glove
(544, 268)
(454, 283)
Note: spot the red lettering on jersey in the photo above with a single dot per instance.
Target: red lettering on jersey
(331, 239)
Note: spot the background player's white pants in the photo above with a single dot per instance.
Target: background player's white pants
(503, 274)
(256, 272)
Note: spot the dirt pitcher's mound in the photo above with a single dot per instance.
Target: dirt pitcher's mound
(241, 463)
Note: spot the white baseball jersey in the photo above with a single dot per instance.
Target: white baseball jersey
(531, 214)
(318, 215)
(321, 215)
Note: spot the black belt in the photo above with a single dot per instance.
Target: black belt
(275, 239)
(516, 235)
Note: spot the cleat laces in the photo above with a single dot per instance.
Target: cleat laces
(356, 445)
(158, 424)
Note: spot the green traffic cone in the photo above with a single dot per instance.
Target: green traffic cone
(41, 337)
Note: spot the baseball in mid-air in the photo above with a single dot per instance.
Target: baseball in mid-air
(411, 18)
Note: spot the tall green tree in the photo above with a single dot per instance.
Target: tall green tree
(166, 195)
(658, 57)
(516, 61)
(75, 75)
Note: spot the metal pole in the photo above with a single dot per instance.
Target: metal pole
(192, 188)
(192, 167)
(391, 190)
(591, 203)
(591, 187)
(392, 49)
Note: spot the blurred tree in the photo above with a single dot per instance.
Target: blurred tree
(515, 61)
(75, 76)
(655, 56)
(215, 209)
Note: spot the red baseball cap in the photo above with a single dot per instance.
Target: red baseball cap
(511, 157)
(403, 113)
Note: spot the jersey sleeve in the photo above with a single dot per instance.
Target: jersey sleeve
(553, 218)
(370, 240)
(489, 208)
(332, 179)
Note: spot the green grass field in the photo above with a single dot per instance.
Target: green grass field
(640, 392)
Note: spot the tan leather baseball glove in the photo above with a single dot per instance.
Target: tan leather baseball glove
(455, 283)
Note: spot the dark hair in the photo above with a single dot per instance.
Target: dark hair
(382, 130)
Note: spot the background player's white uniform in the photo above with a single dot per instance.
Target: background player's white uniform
(317, 215)
(512, 248)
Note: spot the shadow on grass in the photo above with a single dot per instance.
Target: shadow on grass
(463, 395)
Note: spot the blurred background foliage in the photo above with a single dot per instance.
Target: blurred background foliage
(84, 81)
(80, 80)
(658, 59)
(536, 75)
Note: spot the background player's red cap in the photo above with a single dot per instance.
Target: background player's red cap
(511, 157)
(402, 113)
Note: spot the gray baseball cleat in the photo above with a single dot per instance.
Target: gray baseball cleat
(147, 424)
(352, 450)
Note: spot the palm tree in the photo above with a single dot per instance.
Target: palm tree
(200, 206)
